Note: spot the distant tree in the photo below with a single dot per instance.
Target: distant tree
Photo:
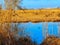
(12, 4)
(0, 6)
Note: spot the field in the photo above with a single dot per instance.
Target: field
(40, 15)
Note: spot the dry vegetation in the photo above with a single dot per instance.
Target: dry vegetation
(25, 15)
(7, 37)
(42, 15)
(51, 40)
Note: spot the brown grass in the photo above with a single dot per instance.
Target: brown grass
(41, 15)
(7, 37)
(10, 40)
(51, 40)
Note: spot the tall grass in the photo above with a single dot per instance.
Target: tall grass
(51, 40)
(7, 36)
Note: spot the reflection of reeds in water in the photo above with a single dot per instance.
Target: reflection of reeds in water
(45, 29)
(59, 29)
(50, 40)
(7, 36)
(46, 32)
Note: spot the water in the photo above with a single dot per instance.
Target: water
(37, 31)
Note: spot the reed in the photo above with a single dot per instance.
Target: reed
(7, 36)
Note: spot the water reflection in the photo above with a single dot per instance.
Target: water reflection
(37, 31)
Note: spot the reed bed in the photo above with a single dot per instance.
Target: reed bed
(12, 41)
(9, 36)
(51, 40)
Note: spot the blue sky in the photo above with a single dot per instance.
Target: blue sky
(41, 3)
(35, 4)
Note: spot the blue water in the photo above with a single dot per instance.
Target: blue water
(34, 30)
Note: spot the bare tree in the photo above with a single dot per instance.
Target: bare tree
(0, 6)
(12, 4)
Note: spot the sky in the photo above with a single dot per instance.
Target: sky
(35, 29)
(41, 3)
(37, 4)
